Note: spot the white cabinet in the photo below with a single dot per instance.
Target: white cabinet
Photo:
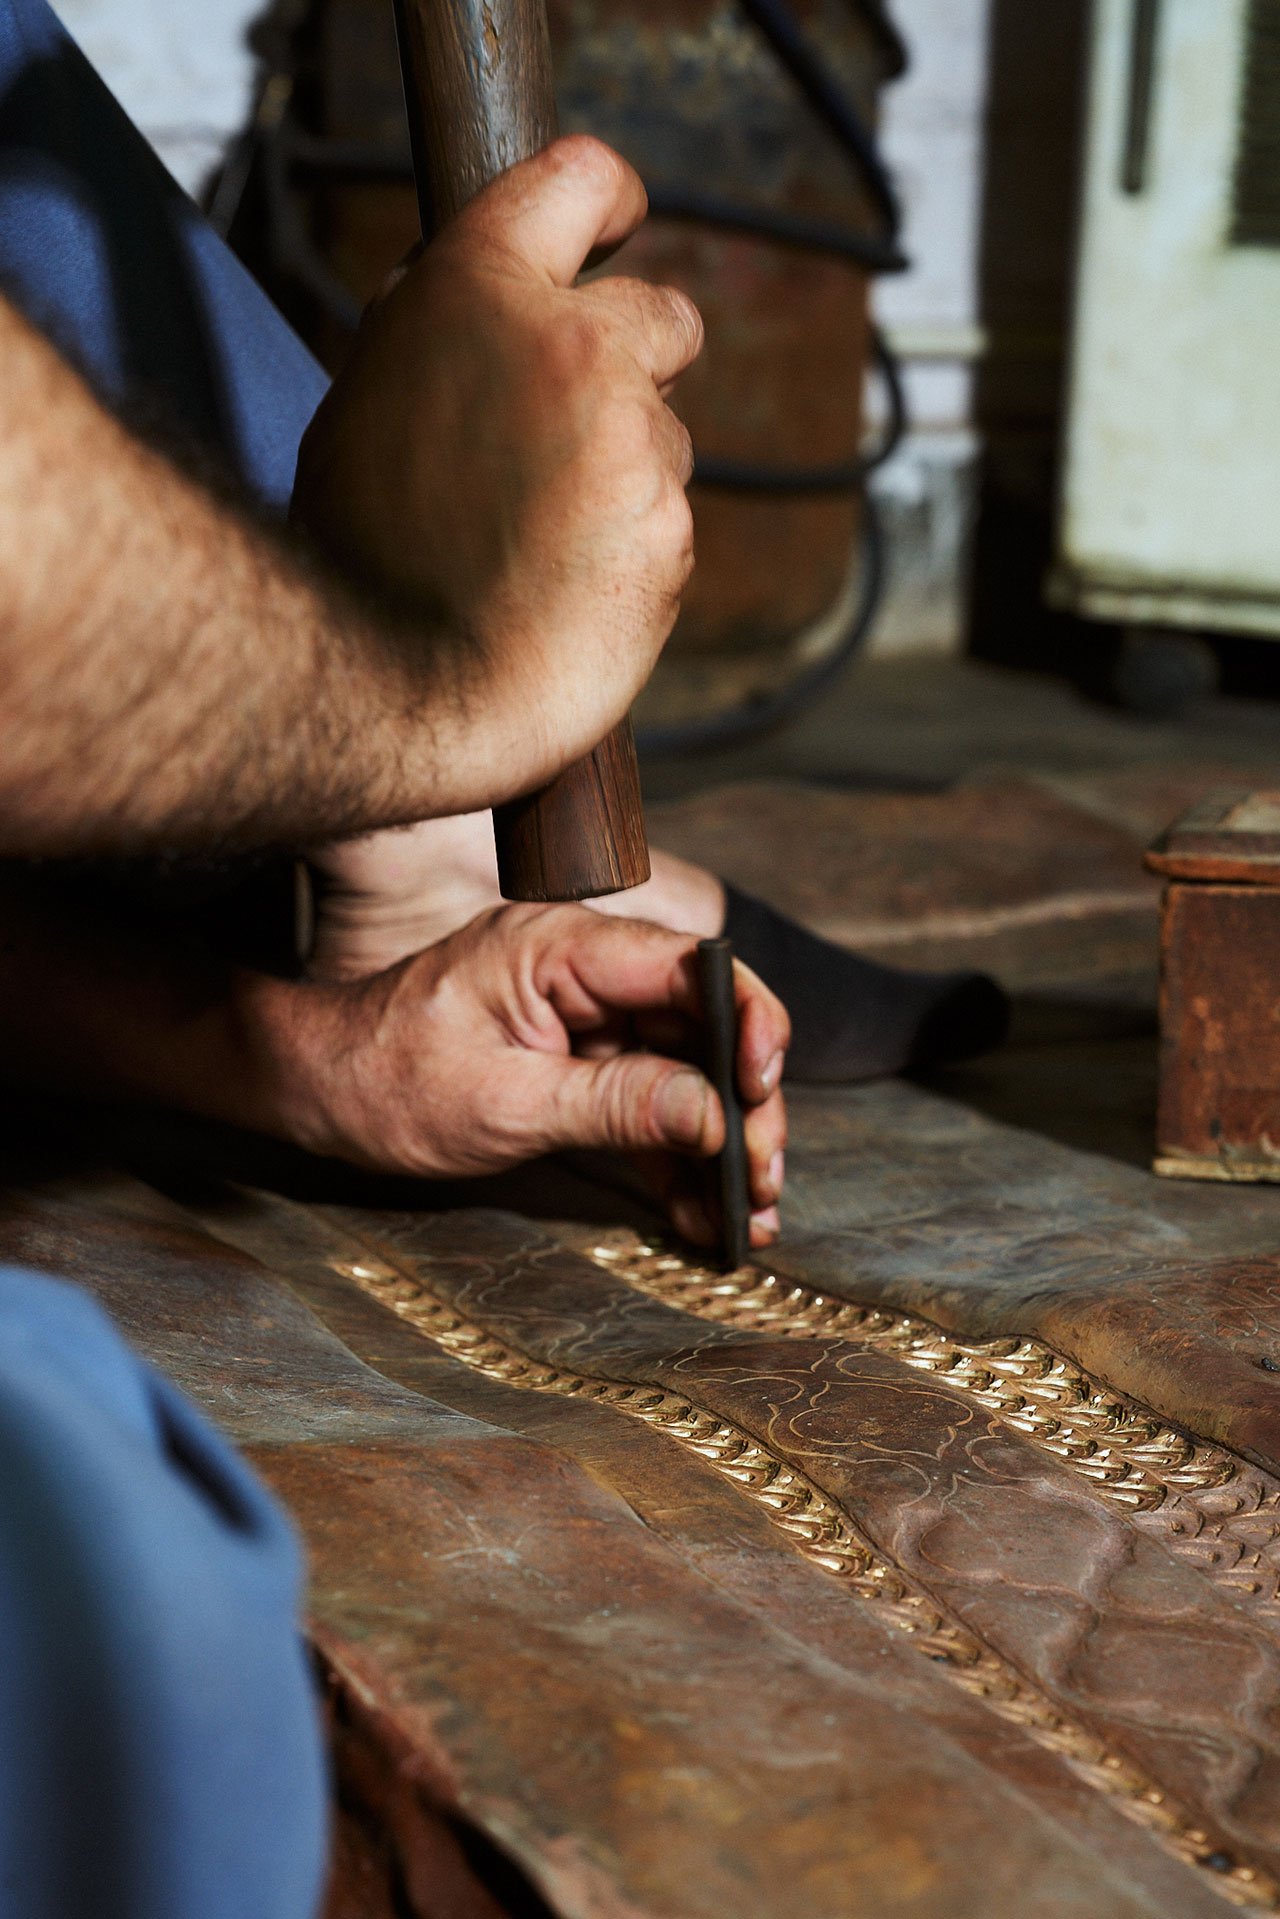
(1170, 509)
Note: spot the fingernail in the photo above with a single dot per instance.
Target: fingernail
(772, 1073)
(777, 1172)
(767, 1223)
(682, 1107)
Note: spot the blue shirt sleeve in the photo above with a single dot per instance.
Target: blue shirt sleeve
(105, 253)
(159, 1744)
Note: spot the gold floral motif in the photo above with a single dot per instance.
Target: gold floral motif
(826, 1535)
(1208, 1506)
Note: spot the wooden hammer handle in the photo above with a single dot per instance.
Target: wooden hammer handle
(478, 85)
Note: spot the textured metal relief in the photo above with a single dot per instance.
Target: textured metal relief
(1140, 1468)
(1208, 1506)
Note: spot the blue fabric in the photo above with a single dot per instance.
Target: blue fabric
(106, 254)
(159, 1750)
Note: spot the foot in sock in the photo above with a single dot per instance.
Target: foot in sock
(853, 1018)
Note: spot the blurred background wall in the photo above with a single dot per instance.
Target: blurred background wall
(933, 132)
(185, 73)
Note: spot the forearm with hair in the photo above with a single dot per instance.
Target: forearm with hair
(171, 678)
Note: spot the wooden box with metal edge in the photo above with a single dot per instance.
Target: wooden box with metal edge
(1219, 1104)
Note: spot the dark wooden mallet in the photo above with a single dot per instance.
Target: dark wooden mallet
(478, 86)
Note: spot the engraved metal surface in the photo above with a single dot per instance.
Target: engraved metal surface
(1207, 1505)
(823, 1532)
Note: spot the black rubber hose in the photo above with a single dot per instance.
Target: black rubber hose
(737, 724)
(874, 253)
(842, 476)
(775, 21)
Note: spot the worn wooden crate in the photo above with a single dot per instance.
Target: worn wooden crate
(1219, 1112)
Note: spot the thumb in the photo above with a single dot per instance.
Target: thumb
(574, 198)
(634, 1101)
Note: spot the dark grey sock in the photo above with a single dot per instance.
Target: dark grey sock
(852, 1018)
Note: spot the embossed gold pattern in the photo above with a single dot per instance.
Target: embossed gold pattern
(826, 1535)
(1208, 1506)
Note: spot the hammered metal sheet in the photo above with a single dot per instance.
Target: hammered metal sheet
(911, 1621)
(583, 1639)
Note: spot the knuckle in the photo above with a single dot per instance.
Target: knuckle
(622, 1115)
(584, 152)
(663, 441)
(621, 293)
(564, 920)
(685, 320)
(626, 433)
(674, 526)
(651, 453)
(650, 1127)
(597, 166)
(612, 1105)
(667, 315)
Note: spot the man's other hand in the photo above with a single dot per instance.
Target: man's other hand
(532, 1029)
(498, 452)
